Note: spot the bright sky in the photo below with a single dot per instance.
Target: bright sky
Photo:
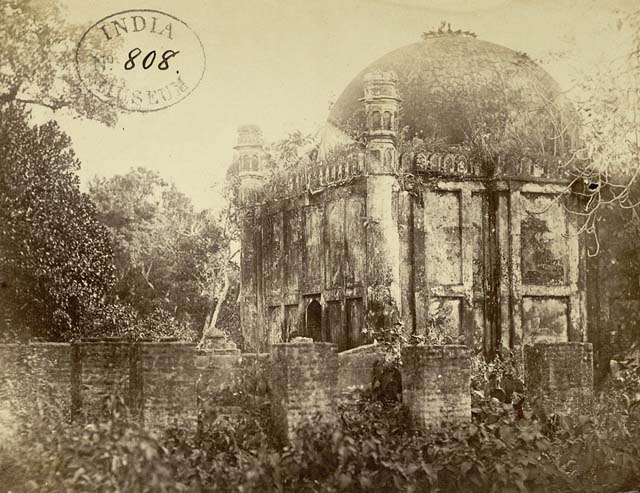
(278, 63)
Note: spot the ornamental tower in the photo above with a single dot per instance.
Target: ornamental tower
(381, 105)
(249, 159)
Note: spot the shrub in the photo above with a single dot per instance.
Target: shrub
(373, 449)
(111, 454)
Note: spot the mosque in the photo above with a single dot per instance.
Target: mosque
(439, 196)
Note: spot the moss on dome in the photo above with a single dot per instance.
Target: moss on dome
(452, 85)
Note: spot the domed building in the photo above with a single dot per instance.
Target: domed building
(437, 199)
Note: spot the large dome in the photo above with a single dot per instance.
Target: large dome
(453, 85)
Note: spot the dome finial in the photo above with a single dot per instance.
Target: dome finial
(445, 30)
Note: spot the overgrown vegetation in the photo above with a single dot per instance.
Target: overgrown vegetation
(374, 449)
(55, 256)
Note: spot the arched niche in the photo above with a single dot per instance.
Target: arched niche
(313, 320)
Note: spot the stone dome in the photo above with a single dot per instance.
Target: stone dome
(452, 85)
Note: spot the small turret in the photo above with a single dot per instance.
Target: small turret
(381, 105)
(249, 161)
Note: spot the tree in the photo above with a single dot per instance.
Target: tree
(224, 265)
(606, 163)
(38, 53)
(55, 256)
(168, 256)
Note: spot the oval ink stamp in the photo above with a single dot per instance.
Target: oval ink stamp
(140, 60)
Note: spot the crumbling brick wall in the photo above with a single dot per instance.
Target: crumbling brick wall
(304, 377)
(436, 383)
(559, 377)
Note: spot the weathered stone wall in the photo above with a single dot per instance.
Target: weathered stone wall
(162, 383)
(9, 380)
(355, 368)
(217, 370)
(29, 372)
(436, 382)
(106, 369)
(614, 286)
(168, 384)
(559, 377)
(304, 378)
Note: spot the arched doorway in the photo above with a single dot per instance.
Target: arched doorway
(313, 320)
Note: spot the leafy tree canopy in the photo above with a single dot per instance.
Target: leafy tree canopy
(37, 64)
(167, 255)
(55, 257)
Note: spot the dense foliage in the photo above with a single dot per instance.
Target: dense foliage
(55, 255)
(373, 448)
(38, 52)
(170, 259)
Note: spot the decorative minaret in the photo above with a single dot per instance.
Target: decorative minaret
(249, 159)
(381, 106)
(249, 163)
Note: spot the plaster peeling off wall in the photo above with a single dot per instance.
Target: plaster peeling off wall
(335, 246)
(544, 262)
(356, 241)
(443, 246)
(313, 253)
(272, 255)
(544, 243)
(544, 320)
(443, 257)
(292, 257)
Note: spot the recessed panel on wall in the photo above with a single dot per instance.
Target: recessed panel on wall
(291, 322)
(335, 244)
(313, 250)
(251, 332)
(443, 246)
(334, 326)
(274, 323)
(355, 322)
(476, 214)
(478, 341)
(248, 259)
(291, 259)
(544, 247)
(445, 316)
(544, 319)
(356, 242)
(272, 254)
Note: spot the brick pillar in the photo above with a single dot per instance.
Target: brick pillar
(559, 376)
(304, 379)
(436, 383)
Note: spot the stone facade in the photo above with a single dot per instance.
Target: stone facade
(559, 377)
(436, 383)
(304, 379)
(416, 226)
(614, 285)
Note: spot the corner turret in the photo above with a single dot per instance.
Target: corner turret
(249, 161)
(381, 105)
